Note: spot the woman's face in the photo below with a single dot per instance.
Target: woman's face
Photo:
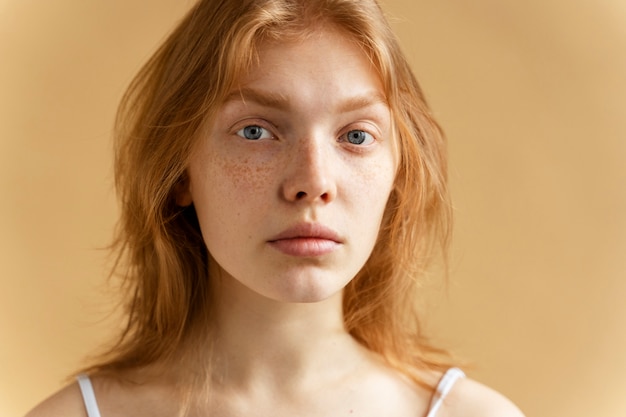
(291, 179)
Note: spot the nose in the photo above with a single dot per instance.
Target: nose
(308, 176)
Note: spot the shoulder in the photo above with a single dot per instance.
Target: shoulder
(122, 394)
(128, 393)
(68, 402)
(469, 398)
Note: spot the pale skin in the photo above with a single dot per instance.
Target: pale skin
(290, 183)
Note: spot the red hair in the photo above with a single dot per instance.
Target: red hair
(162, 257)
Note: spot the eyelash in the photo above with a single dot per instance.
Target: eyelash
(370, 137)
(241, 132)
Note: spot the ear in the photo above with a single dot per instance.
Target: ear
(182, 191)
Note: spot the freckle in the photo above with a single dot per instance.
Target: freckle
(246, 175)
(239, 172)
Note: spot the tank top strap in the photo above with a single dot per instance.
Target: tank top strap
(446, 383)
(89, 397)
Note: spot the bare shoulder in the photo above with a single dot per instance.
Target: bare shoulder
(469, 398)
(123, 394)
(68, 402)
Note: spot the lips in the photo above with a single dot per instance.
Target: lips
(306, 240)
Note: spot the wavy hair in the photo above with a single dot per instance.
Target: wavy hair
(160, 252)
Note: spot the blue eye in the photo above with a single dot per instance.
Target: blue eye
(254, 132)
(359, 137)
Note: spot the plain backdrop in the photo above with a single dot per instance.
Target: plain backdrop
(532, 95)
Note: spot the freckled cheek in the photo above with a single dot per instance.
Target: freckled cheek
(368, 193)
(374, 182)
(242, 178)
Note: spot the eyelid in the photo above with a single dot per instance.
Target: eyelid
(367, 127)
(240, 124)
(263, 133)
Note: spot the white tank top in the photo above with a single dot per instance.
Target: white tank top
(443, 388)
(89, 397)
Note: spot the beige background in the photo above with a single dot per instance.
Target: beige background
(533, 98)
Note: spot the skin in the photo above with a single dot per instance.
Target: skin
(280, 344)
(302, 171)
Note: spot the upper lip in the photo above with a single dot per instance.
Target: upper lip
(308, 230)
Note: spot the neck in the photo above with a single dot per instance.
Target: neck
(263, 342)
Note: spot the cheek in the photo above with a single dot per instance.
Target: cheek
(235, 179)
(228, 194)
(376, 183)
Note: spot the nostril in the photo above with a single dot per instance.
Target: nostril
(300, 195)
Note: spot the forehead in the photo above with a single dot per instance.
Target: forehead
(319, 62)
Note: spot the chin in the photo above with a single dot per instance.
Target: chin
(309, 290)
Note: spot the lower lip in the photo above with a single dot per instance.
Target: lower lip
(305, 246)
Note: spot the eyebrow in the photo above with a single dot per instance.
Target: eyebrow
(361, 102)
(281, 102)
(263, 98)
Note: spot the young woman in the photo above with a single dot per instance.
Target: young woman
(283, 188)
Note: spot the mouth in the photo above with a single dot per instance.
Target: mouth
(306, 240)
